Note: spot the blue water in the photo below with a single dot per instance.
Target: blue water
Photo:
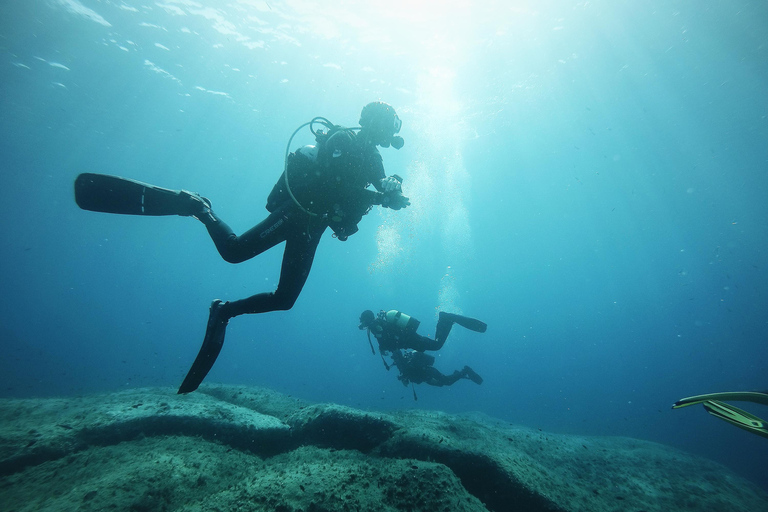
(589, 178)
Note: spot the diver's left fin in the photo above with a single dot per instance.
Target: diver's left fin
(113, 194)
(471, 323)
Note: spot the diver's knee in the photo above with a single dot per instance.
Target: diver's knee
(430, 344)
(231, 252)
(232, 257)
(283, 302)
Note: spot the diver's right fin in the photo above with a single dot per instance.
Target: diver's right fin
(472, 375)
(212, 343)
(736, 416)
(113, 194)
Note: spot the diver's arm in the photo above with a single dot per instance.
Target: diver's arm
(371, 197)
(389, 192)
(394, 199)
(398, 359)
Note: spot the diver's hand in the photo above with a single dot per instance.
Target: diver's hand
(391, 184)
(395, 200)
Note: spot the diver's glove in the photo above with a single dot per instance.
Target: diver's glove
(395, 200)
(392, 184)
(392, 191)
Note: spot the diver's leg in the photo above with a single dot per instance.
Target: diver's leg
(421, 343)
(435, 378)
(297, 262)
(264, 235)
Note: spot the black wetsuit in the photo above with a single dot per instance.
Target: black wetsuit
(342, 185)
(417, 368)
(392, 338)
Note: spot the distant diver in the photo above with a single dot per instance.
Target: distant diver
(396, 334)
(714, 405)
(323, 185)
(417, 367)
(395, 330)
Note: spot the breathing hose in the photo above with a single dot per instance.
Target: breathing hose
(319, 120)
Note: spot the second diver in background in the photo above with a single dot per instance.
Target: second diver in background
(395, 330)
(396, 334)
(417, 367)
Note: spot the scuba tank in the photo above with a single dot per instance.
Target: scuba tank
(401, 320)
(320, 179)
(298, 170)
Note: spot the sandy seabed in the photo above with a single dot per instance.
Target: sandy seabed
(231, 448)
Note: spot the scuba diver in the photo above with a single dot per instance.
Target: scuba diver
(323, 185)
(395, 330)
(417, 367)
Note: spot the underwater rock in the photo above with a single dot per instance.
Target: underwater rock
(253, 449)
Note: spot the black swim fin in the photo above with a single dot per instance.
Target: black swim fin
(212, 343)
(468, 323)
(113, 194)
(472, 375)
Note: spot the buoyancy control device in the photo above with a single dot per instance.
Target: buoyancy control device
(324, 180)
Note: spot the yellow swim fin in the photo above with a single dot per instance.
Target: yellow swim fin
(758, 397)
(714, 405)
(736, 416)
